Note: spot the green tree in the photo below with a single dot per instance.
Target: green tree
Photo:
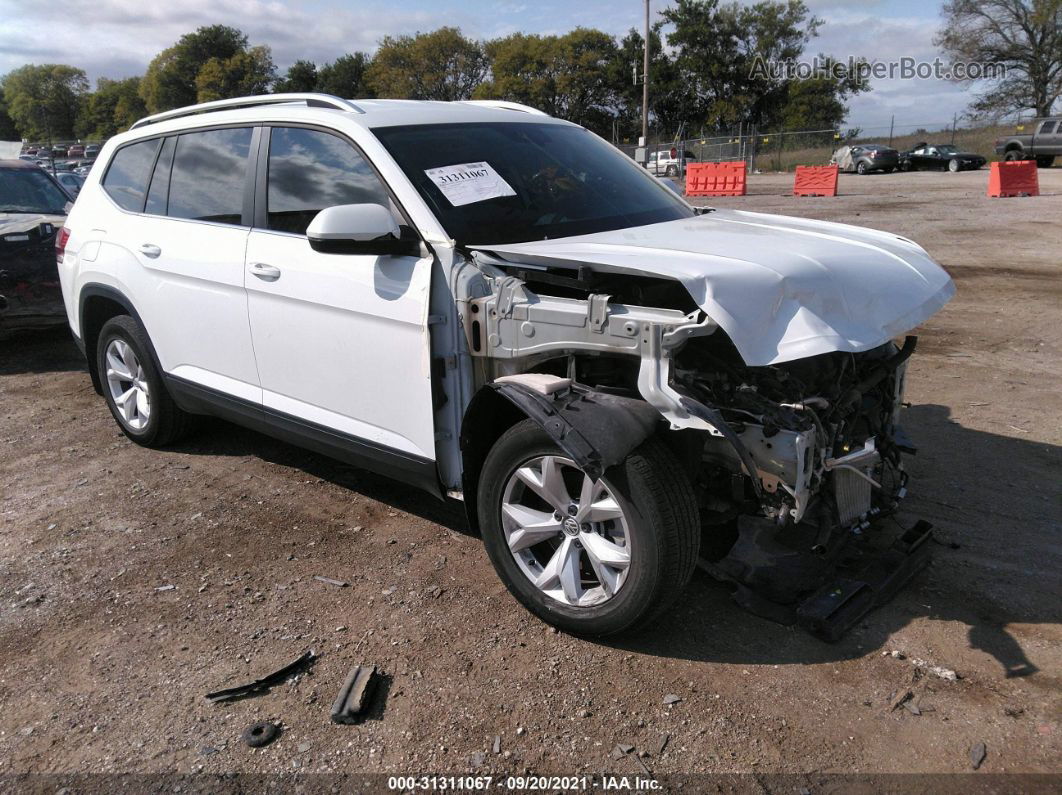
(566, 76)
(111, 108)
(245, 73)
(718, 47)
(1022, 36)
(44, 101)
(818, 102)
(170, 80)
(671, 101)
(346, 77)
(300, 77)
(441, 65)
(8, 130)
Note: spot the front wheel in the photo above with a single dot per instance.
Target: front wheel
(1014, 154)
(672, 171)
(1044, 161)
(861, 169)
(905, 166)
(590, 557)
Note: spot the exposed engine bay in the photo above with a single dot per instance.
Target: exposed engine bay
(792, 462)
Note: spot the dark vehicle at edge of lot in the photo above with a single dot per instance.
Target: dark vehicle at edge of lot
(33, 208)
(940, 157)
(1044, 144)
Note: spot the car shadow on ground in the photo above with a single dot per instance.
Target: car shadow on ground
(1004, 570)
(40, 351)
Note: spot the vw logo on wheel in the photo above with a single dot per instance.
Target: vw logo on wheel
(571, 526)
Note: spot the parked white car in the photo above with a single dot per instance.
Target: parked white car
(498, 306)
(669, 162)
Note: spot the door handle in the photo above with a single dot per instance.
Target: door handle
(150, 250)
(265, 272)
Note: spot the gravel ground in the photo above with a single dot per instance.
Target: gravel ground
(134, 581)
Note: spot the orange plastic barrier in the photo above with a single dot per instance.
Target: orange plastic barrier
(715, 179)
(815, 181)
(1013, 178)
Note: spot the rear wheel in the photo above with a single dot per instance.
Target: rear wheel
(133, 388)
(861, 168)
(591, 557)
(1045, 161)
(1014, 154)
(954, 165)
(672, 171)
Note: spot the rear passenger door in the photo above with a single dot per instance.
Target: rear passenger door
(341, 340)
(191, 239)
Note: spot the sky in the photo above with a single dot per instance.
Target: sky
(117, 38)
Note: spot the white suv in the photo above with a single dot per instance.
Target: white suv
(500, 307)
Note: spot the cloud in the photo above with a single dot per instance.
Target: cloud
(117, 38)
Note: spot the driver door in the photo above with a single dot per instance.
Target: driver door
(341, 340)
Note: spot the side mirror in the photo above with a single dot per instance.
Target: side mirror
(358, 229)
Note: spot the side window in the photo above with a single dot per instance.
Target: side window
(160, 180)
(209, 174)
(127, 176)
(310, 170)
(1048, 127)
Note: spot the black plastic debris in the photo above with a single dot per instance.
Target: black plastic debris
(263, 684)
(354, 696)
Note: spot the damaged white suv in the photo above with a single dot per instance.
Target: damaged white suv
(498, 306)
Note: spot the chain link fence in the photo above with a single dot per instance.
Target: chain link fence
(785, 150)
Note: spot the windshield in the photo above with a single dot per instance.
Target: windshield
(27, 190)
(947, 149)
(512, 182)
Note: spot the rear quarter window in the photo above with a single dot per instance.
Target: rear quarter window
(127, 176)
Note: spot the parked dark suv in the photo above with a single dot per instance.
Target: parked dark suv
(33, 208)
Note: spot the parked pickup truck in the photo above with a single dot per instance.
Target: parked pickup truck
(1043, 143)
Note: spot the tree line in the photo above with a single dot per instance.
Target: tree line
(703, 80)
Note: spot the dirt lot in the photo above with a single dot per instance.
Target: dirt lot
(101, 670)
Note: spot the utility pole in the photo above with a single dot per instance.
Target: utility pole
(645, 82)
(892, 123)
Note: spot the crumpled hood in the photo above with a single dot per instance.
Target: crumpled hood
(782, 288)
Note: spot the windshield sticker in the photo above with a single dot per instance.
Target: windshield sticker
(469, 182)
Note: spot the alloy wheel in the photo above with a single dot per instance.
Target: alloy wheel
(128, 385)
(566, 532)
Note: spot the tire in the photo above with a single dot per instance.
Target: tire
(658, 514)
(861, 169)
(672, 171)
(1014, 154)
(905, 166)
(954, 166)
(1045, 161)
(157, 420)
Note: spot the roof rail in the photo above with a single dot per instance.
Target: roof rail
(505, 105)
(312, 100)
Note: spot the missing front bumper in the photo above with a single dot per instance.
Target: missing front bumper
(790, 586)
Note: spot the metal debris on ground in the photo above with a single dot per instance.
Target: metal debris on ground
(496, 748)
(263, 684)
(260, 734)
(621, 750)
(671, 698)
(899, 700)
(661, 744)
(978, 752)
(330, 581)
(166, 588)
(354, 695)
